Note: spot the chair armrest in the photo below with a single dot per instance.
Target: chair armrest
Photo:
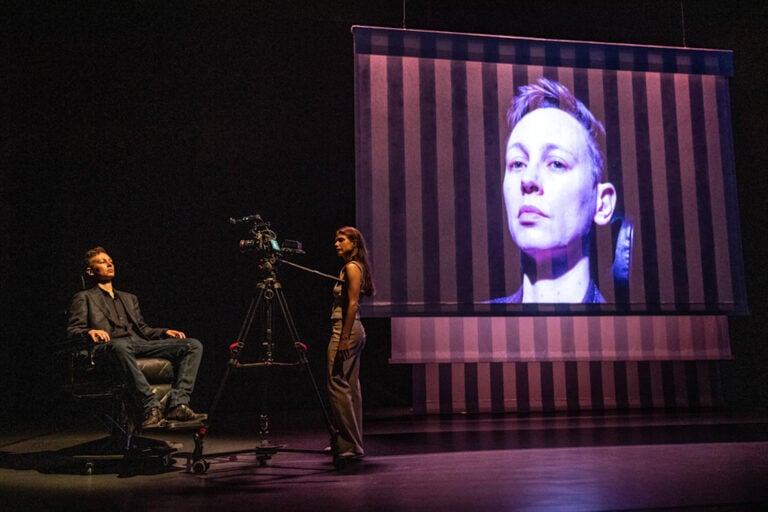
(72, 345)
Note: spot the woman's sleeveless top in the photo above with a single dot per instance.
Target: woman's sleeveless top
(339, 293)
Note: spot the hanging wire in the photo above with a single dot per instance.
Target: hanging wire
(682, 20)
(404, 13)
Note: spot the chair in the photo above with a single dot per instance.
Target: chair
(91, 379)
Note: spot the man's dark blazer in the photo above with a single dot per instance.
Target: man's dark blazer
(89, 310)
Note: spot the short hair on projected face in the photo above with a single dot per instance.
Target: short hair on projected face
(547, 93)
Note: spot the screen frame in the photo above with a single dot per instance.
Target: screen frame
(628, 61)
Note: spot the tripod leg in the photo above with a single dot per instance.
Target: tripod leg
(199, 464)
(301, 354)
(236, 348)
(332, 432)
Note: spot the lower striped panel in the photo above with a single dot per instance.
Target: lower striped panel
(559, 338)
(564, 386)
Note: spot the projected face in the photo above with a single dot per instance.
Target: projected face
(549, 186)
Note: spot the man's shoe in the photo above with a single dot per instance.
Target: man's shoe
(184, 413)
(153, 419)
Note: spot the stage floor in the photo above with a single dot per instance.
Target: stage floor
(639, 460)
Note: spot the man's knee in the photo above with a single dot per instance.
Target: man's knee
(121, 347)
(194, 345)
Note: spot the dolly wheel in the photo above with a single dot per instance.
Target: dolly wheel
(199, 467)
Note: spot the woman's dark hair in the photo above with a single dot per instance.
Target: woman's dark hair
(360, 255)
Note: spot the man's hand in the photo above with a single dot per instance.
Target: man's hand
(175, 334)
(99, 336)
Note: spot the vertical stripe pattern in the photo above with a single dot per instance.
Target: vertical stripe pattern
(555, 338)
(564, 386)
(430, 132)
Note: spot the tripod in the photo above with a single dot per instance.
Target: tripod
(270, 293)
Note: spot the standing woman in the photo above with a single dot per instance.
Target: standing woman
(347, 342)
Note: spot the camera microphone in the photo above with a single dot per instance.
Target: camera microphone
(247, 218)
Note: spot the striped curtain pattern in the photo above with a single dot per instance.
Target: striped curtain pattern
(448, 388)
(430, 127)
(559, 338)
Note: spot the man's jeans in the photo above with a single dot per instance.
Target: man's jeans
(185, 354)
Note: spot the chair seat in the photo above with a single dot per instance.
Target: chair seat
(90, 378)
(157, 370)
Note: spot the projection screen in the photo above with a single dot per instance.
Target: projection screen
(431, 136)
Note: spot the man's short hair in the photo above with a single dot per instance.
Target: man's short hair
(90, 253)
(547, 93)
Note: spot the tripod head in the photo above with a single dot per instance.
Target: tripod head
(263, 242)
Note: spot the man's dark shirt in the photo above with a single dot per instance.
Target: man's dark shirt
(123, 327)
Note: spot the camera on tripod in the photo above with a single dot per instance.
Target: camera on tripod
(268, 303)
(263, 241)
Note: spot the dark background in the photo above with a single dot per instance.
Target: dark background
(143, 126)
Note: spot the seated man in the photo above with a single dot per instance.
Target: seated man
(112, 319)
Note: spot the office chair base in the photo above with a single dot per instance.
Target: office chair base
(118, 454)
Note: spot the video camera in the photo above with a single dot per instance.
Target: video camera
(263, 240)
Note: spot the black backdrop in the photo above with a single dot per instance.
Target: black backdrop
(143, 127)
